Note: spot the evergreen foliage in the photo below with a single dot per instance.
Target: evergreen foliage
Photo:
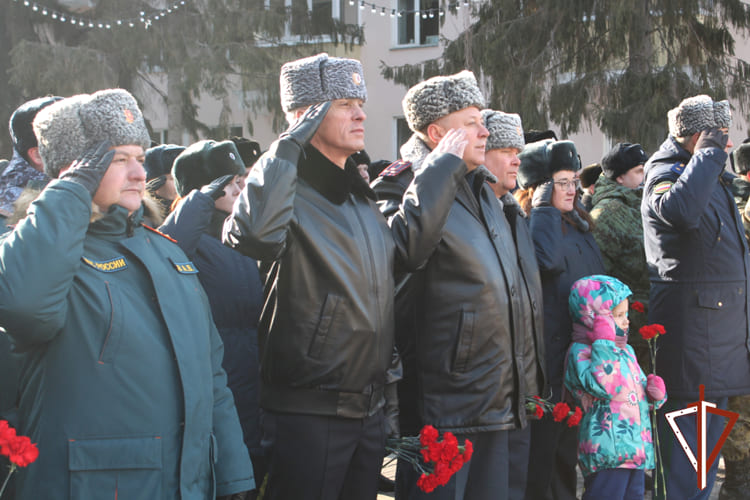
(221, 48)
(618, 65)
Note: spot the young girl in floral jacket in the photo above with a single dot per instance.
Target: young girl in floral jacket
(614, 441)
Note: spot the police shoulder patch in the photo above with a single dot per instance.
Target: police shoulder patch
(677, 168)
(184, 267)
(663, 187)
(395, 168)
(106, 266)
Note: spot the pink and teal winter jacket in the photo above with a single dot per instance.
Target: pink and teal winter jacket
(605, 379)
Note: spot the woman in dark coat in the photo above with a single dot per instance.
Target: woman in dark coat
(565, 251)
(206, 176)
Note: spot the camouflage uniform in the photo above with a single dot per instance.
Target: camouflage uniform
(618, 231)
(736, 449)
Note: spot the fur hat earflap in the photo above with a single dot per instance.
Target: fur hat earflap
(539, 160)
(698, 113)
(440, 96)
(741, 158)
(67, 128)
(505, 130)
(320, 78)
(203, 162)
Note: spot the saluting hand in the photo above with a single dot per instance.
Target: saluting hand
(453, 142)
(216, 188)
(89, 169)
(290, 144)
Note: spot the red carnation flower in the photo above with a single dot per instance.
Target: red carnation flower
(660, 330)
(539, 411)
(450, 447)
(560, 411)
(637, 306)
(575, 418)
(468, 450)
(21, 451)
(7, 433)
(427, 483)
(428, 435)
(647, 332)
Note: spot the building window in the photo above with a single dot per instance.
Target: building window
(315, 17)
(403, 133)
(419, 25)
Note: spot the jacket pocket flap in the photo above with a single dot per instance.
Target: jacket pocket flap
(115, 453)
(717, 299)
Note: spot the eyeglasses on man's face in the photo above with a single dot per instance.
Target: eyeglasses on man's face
(566, 184)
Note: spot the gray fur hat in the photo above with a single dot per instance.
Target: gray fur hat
(69, 127)
(440, 96)
(505, 129)
(320, 78)
(541, 159)
(698, 113)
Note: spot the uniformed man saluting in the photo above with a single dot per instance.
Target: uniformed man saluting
(698, 267)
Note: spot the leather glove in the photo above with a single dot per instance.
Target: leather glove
(216, 189)
(712, 138)
(242, 495)
(578, 221)
(89, 169)
(156, 183)
(289, 145)
(543, 195)
(655, 387)
(604, 327)
(391, 413)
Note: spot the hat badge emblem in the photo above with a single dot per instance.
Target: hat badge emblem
(231, 155)
(128, 115)
(356, 79)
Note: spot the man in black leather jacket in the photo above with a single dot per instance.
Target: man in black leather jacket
(326, 329)
(470, 320)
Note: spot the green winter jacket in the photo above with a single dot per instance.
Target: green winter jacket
(121, 385)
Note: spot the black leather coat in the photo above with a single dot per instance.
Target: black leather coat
(326, 330)
(476, 349)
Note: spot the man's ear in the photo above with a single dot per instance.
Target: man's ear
(693, 140)
(35, 158)
(435, 132)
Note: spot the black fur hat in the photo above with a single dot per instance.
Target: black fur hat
(541, 159)
(159, 159)
(622, 158)
(741, 158)
(589, 174)
(21, 130)
(203, 162)
(249, 150)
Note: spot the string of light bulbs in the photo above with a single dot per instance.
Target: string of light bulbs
(143, 19)
(424, 13)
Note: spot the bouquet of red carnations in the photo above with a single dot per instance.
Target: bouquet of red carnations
(559, 411)
(19, 450)
(436, 460)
